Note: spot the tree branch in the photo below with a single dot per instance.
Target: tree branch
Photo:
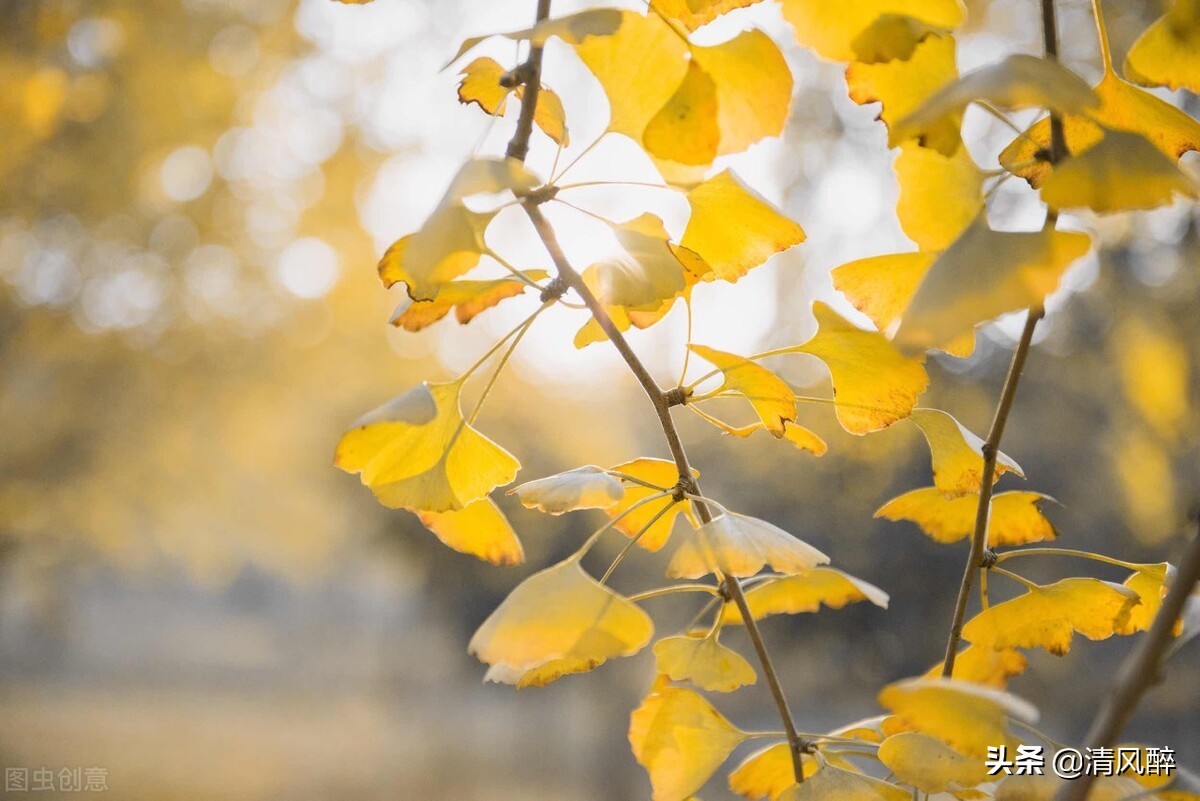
(531, 71)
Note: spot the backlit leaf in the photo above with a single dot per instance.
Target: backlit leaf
(1047, 787)
(753, 85)
(648, 272)
(831, 28)
(836, 784)
(417, 451)
(929, 764)
(685, 128)
(658, 472)
(572, 29)
(479, 529)
(692, 14)
(1047, 616)
(480, 85)
(806, 593)
(468, 298)
(550, 115)
(1151, 583)
(799, 436)
(680, 739)
(740, 545)
(587, 487)
(986, 666)
(957, 454)
(1121, 172)
(965, 716)
(1165, 54)
(704, 662)
(768, 772)
(939, 195)
(1015, 519)
(771, 397)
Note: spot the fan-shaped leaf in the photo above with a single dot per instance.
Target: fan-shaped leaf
(1015, 519)
(831, 28)
(806, 593)
(1165, 54)
(957, 454)
(754, 88)
(704, 662)
(939, 195)
(479, 529)
(771, 397)
(986, 666)
(930, 765)
(572, 29)
(768, 772)
(1121, 172)
(965, 716)
(587, 487)
(740, 545)
(660, 473)
(468, 298)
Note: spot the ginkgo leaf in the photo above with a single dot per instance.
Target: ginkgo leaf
(987, 666)
(768, 772)
(902, 86)
(984, 274)
(480, 85)
(1047, 787)
(692, 14)
(831, 28)
(939, 195)
(1015, 517)
(451, 240)
(660, 473)
(1151, 583)
(806, 593)
(626, 317)
(965, 716)
(740, 545)
(929, 764)
(772, 398)
(891, 37)
(560, 613)
(550, 115)
(753, 85)
(837, 784)
(874, 385)
(733, 229)
(587, 487)
(479, 529)
(1047, 616)
(572, 29)
(1165, 54)
(957, 454)
(1121, 172)
(704, 662)
(417, 451)
(648, 272)
(468, 298)
(1017, 82)
(685, 128)
(680, 739)
(799, 436)
(881, 287)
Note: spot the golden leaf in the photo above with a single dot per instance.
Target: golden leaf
(685, 128)
(806, 593)
(986, 666)
(831, 28)
(965, 716)
(660, 473)
(930, 765)
(740, 545)
(939, 195)
(837, 784)
(649, 271)
(468, 298)
(1165, 54)
(768, 772)
(753, 85)
(1151, 583)
(799, 436)
(1121, 172)
(957, 454)
(692, 14)
(479, 529)
(1015, 518)
(704, 662)
(480, 85)
(587, 487)
(771, 397)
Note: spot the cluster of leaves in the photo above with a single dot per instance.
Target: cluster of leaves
(686, 105)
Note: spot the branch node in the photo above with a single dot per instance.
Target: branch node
(990, 450)
(675, 396)
(540, 195)
(554, 290)
(988, 560)
(681, 490)
(520, 74)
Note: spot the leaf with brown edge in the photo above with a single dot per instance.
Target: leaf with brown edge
(479, 529)
(573, 29)
(983, 275)
(692, 14)
(957, 454)
(768, 772)
(739, 545)
(753, 85)
(1048, 616)
(733, 229)
(985, 666)
(660, 473)
(1015, 517)
(480, 85)
(587, 487)
(704, 662)
(680, 739)
(1165, 53)
(417, 451)
(772, 398)
(874, 385)
(930, 765)
(1151, 583)
(832, 783)
(559, 614)
(468, 298)
(832, 28)
(965, 716)
(902, 86)
(939, 195)
(790, 595)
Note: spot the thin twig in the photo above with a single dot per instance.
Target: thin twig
(518, 146)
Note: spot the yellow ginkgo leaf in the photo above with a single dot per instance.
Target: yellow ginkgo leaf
(768, 772)
(659, 473)
(561, 613)
(930, 765)
(831, 28)
(772, 398)
(1047, 787)
(451, 240)
(573, 29)
(480, 85)
(891, 37)
(1017, 82)
(1015, 518)
(902, 86)
(806, 593)
(704, 662)
(692, 14)
(754, 88)
(639, 67)
(837, 784)
(965, 716)
(468, 298)
(733, 229)
(550, 115)
(984, 274)
(648, 272)
(874, 385)
(1154, 363)
(680, 739)
(479, 529)
(685, 129)
(740, 545)
(1165, 54)
(1123, 107)
(417, 451)
(1151, 583)
(799, 436)
(624, 317)
(1047, 616)
(939, 195)
(587, 487)
(957, 454)
(1121, 172)
(881, 287)
(986, 666)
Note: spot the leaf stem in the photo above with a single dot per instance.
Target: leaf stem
(633, 541)
(522, 330)
(1102, 35)
(595, 537)
(499, 344)
(1029, 585)
(1097, 557)
(674, 588)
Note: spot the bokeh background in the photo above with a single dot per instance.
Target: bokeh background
(193, 196)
